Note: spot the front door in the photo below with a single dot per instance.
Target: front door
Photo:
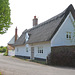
(32, 53)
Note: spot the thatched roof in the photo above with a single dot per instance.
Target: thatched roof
(46, 30)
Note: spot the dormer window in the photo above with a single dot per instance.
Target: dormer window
(26, 37)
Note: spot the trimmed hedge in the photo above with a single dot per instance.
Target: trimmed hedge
(64, 56)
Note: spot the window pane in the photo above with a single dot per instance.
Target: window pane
(26, 49)
(38, 51)
(67, 36)
(42, 51)
(17, 49)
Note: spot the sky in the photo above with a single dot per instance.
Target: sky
(23, 11)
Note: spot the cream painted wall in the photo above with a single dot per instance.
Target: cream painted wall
(59, 38)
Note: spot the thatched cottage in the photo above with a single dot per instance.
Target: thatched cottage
(36, 43)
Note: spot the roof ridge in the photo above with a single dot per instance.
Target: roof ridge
(41, 32)
(51, 19)
(47, 21)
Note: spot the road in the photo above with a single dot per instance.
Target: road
(15, 66)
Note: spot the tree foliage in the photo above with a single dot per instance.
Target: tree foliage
(5, 20)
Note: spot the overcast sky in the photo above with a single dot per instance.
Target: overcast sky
(23, 11)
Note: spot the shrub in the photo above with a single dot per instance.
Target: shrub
(3, 49)
(63, 56)
(6, 53)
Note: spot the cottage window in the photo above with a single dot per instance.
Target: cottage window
(17, 49)
(40, 49)
(68, 35)
(26, 49)
(26, 37)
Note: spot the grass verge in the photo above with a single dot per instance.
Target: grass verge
(0, 73)
(36, 61)
(39, 61)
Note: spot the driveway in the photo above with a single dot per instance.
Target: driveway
(14, 66)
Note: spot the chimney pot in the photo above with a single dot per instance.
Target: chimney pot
(34, 17)
(35, 21)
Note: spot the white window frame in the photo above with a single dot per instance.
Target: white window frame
(26, 49)
(17, 50)
(68, 35)
(40, 50)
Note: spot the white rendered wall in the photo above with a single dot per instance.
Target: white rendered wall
(22, 51)
(59, 38)
(46, 50)
(11, 52)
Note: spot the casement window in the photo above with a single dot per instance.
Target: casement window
(26, 49)
(40, 49)
(68, 35)
(17, 49)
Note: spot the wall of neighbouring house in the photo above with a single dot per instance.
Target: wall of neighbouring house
(59, 38)
(21, 50)
(11, 52)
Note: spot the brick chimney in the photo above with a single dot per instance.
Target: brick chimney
(15, 34)
(35, 21)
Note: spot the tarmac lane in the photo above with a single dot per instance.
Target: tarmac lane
(15, 66)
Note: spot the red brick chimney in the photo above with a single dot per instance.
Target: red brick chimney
(35, 21)
(15, 34)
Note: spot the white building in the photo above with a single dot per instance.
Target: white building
(11, 47)
(36, 42)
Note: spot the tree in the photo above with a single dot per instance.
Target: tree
(3, 49)
(5, 20)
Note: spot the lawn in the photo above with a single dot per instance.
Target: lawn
(0, 73)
